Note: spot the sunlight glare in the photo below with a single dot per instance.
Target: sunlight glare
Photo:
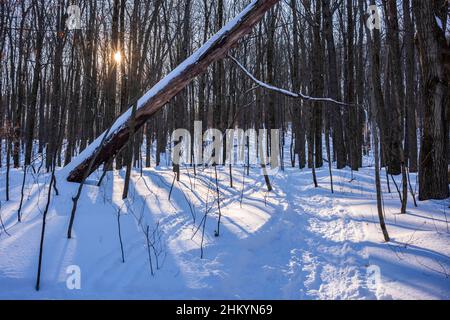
(118, 57)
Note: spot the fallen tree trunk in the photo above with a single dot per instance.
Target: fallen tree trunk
(215, 49)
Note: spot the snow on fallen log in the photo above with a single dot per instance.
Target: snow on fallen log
(104, 148)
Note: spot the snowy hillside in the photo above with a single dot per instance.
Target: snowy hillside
(297, 242)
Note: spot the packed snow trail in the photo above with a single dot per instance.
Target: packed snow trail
(298, 242)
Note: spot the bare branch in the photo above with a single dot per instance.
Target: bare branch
(284, 91)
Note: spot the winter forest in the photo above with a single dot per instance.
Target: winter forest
(224, 149)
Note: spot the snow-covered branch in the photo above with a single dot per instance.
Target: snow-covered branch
(284, 91)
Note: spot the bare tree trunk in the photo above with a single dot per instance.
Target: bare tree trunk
(378, 186)
(333, 88)
(377, 102)
(433, 182)
(350, 90)
(410, 102)
(318, 85)
(129, 156)
(397, 150)
(8, 166)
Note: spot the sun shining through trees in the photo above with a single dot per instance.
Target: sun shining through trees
(118, 57)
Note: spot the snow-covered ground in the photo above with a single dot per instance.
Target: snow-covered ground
(297, 242)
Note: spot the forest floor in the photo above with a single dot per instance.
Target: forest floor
(297, 242)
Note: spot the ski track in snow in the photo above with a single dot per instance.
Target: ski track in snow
(333, 268)
(297, 242)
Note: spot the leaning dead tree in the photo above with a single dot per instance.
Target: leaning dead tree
(214, 50)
